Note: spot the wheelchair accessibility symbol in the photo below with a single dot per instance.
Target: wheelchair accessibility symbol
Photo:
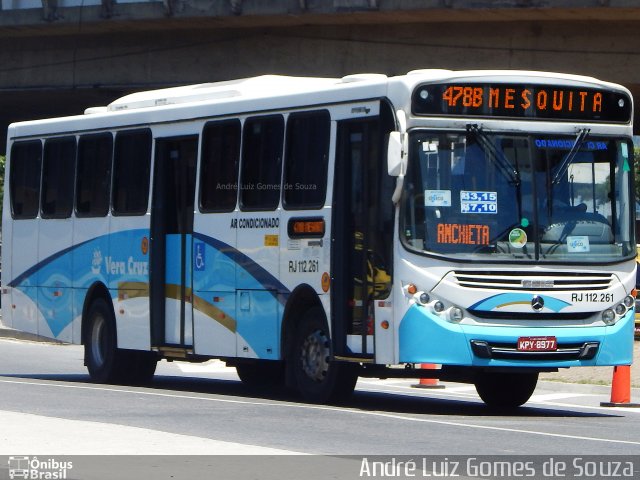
(198, 256)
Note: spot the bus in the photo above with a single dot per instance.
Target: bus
(310, 231)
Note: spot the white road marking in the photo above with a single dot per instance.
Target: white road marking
(38, 434)
(392, 416)
(546, 397)
(409, 384)
(469, 392)
(458, 390)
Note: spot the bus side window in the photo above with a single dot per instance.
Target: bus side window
(131, 172)
(24, 180)
(306, 160)
(58, 168)
(261, 163)
(93, 180)
(219, 166)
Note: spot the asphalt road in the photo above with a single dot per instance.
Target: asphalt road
(595, 375)
(48, 405)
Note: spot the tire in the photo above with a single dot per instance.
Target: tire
(106, 364)
(142, 367)
(319, 379)
(505, 390)
(105, 361)
(261, 374)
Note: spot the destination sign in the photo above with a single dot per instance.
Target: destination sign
(552, 102)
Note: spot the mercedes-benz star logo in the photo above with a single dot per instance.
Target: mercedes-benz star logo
(537, 303)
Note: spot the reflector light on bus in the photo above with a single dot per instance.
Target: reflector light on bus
(411, 289)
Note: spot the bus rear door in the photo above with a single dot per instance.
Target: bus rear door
(171, 241)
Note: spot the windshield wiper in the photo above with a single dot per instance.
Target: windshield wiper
(575, 148)
(507, 169)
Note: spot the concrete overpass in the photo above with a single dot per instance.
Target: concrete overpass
(88, 52)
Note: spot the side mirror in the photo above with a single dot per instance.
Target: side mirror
(397, 154)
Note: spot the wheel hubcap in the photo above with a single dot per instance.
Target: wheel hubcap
(315, 356)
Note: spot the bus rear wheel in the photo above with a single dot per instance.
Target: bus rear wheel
(261, 374)
(505, 390)
(102, 357)
(142, 367)
(105, 361)
(319, 379)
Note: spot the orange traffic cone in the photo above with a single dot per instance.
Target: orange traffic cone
(428, 382)
(621, 388)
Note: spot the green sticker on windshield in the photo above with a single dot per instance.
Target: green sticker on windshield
(524, 223)
(625, 166)
(517, 238)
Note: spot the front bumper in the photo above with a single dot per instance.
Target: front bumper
(427, 338)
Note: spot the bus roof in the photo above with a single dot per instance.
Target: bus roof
(278, 85)
(271, 92)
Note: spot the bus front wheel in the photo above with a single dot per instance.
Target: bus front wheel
(505, 390)
(319, 379)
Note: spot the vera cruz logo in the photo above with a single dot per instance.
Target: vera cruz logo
(96, 262)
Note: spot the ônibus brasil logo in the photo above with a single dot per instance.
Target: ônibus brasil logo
(34, 468)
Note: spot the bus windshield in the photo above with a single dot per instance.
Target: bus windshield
(479, 195)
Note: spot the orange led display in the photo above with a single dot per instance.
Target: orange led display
(308, 227)
(463, 234)
(525, 99)
(311, 227)
(560, 102)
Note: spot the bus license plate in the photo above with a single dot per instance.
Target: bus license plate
(537, 344)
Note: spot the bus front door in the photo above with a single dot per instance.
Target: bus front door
(362, 234)
(171, 241)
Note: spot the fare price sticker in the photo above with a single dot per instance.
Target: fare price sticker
(478, 202)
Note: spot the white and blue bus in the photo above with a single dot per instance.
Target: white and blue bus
(311, 230)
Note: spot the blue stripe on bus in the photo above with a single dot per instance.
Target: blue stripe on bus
(268, 281)
(80, 275)
(40, 265)
(506, 299)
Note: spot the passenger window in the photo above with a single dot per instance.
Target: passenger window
(131, 172)
(58, 169)
(261, 163)
(307, 156)
(219, 166)
(93, 179)
(24, 180)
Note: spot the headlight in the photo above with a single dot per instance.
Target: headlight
(424, 298)
(438, 306)
(620, 309)
(456, 314)
(629, 301)
(609, 316)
